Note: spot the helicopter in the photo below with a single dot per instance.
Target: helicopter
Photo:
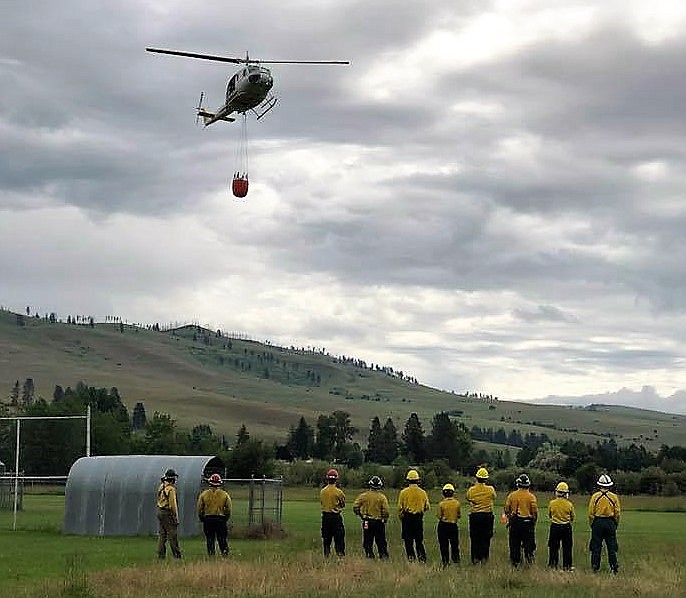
(249, 89)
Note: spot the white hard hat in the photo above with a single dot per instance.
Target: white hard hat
(605, 481)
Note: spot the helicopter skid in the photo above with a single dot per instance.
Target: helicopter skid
(265, 107)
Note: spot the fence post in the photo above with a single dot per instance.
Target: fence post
(251, 501)
(264, 483)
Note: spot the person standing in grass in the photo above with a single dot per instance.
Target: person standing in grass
(448, 514)
(372, 507)
(521, 509)
(603, 516)
(413, 502)
(332, 502)
(480, 497)
(214, 510)
(561, 514)
(168, 516)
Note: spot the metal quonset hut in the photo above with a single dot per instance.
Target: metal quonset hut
(116, 496)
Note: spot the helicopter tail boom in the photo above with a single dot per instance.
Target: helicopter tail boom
(210, 117)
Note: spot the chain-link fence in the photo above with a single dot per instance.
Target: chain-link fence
(256, 502)
(24, 485)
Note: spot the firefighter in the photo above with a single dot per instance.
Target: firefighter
(332, 501)
(521, 509)
(214, 510)
(448, 514)
(561, 515)
(372, 507)
(168, 516)
(413, 502)
(603, 516)
(480, 497)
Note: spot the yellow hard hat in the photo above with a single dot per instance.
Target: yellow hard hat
(449, 487)
(562, 488)
(412, 475)
(482, 474)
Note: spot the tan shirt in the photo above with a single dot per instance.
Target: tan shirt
(521, 503)
(561, 510)
(448, 510)
(332, 499)
(372, 504)
(214, 501)
(480, 497)
(412, 499)
(166, 498)
(604, 504)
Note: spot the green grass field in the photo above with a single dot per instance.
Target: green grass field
(37, 560)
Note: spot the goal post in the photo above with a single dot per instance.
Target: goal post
(19, 419)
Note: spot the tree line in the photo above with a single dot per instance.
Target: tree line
(50, 447)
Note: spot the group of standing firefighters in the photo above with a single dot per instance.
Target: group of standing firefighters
(520, 514)
(213, 510)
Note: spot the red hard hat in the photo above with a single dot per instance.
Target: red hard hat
(332, 473)
(215, 480)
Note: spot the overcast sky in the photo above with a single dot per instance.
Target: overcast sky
(489, 198)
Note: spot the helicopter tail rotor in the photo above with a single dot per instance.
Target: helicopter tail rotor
(199, 109)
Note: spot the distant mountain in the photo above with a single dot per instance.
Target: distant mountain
(646, 398)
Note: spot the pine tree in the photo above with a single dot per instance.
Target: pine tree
(389, 442)
(343, 433)
(27, 392)
(414, 440)
(58, 394)
(374, 442)
(138, 419)
(324, 443)
(14, 395)
(301, 440)
(449, 441)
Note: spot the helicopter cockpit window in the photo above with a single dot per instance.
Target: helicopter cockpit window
(232, 84)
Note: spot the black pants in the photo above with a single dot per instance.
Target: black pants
(412, 526)
(332, 529)
(448, 542)
(480, 534)
(215, 528)
(374, 530)
(604, 529)
(560, 533)
(522, 535)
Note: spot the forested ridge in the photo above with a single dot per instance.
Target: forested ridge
(188, 390)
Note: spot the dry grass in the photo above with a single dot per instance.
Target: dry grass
(308, 574)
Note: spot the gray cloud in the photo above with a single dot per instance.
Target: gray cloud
(490, 197)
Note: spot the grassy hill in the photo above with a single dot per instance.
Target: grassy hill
(198, 376)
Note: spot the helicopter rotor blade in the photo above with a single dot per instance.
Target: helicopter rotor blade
(201, 56)
(302, 61)
(245, 60)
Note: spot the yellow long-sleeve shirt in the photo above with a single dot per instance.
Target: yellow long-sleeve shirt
(372, 504)
(449, 510)
(480, 497)
(332, 499)
(561, 510)
(604, 504)
(214, 501)
(166, 498)
(413, 500)
(521, 503)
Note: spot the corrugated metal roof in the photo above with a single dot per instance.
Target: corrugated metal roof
(116, 495)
